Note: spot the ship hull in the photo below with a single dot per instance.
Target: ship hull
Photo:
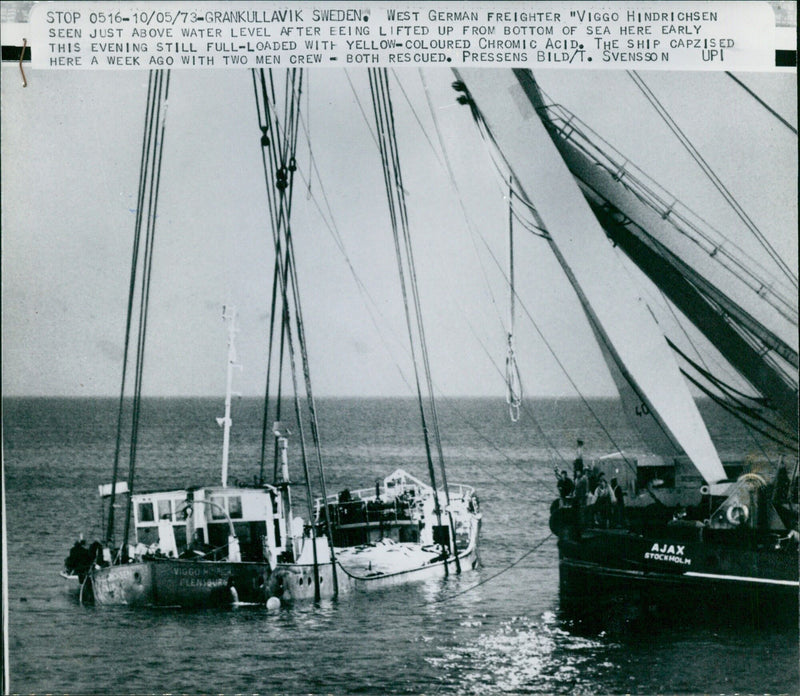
(178, 583)
(668, 575)
(292, 582)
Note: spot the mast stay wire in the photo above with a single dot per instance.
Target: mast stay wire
(726, 194)
(155, 140)
(370, 302)
(741, 264)
(512, 376)
(330, 223)
(398, 212)
(489, 139)
(361, 109)
(281, 169)
(728, 397)
(761, 101)
(143, 163)
(414, 112)
(454, 184)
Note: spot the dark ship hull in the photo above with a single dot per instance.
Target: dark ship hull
(179, 583)
(678, 571)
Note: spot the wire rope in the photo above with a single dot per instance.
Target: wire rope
(762, 102)
(734, 204)
(497, 574)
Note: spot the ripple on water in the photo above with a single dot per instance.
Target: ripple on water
(525, 656)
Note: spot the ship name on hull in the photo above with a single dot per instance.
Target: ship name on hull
(671, 553)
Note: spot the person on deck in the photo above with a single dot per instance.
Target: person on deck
(603, 503)
(581, 493)
(781, 494)
(577, 465)
(618, 498)
(565, 485)
(79, 560)
(593, 475)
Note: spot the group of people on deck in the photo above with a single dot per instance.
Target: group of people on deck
(596, 501)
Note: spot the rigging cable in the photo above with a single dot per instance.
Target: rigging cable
(143, 164)
(534, 548)
(384, 119)
(369, 302)
(728, 389)
(728, 395)
(513, 379)
(414, 112)
(512, 376)
(454, 184)
(761, 101)
(734, 412)
(161, 96)
(361, 109)
(274, 161)
(782, 265)
(282, 170)
(489, 139)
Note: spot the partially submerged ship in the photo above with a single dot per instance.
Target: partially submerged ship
(213, 545)
(385, 536)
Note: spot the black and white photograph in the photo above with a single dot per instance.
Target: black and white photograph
(399, 348)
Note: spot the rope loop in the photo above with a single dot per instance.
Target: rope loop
(513, 382)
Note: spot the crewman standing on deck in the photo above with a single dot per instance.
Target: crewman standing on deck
(577, 465)
(581, 493)
(618, 497)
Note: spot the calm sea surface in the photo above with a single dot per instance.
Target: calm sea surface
(485, 632)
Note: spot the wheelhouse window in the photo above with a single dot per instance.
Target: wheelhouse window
(235, 507)
(146, 512)
(164, 510)
(217, 507)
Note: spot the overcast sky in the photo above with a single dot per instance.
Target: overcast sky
(70, 158)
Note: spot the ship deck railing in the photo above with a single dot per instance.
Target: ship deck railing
(455, 490)
(366, 504)
(569, 127)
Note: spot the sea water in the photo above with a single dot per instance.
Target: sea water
(495, 630)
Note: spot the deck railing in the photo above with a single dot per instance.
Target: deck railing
(569, 128)
(364, 506)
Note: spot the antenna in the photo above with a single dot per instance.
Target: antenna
(228, 316)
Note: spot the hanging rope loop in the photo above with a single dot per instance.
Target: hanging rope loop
(513, 382)
(513, 379)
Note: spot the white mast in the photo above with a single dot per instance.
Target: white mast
(229, 316)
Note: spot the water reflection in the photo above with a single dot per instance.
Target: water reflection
(525, 656)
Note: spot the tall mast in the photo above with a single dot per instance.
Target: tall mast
(229, 316)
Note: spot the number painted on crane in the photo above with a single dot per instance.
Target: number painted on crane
(642, 410)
